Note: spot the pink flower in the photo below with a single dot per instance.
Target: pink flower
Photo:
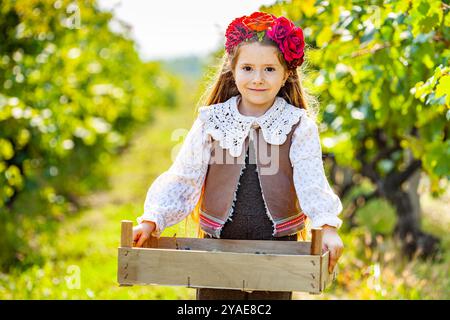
(280, 28)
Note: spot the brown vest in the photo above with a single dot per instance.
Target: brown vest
(275, 175)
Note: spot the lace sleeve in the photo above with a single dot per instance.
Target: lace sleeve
(174, 194)
(317, 200)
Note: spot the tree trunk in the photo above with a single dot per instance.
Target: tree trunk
(414, 241)
(403, 197)
(406, 201)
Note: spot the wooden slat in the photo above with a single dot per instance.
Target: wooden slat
(324, 275)
(316, 241)
(237, 246)
(126, 238)
(327, 278)
(126, 234)
(244, 271)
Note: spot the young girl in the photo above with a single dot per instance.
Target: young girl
(251, 165)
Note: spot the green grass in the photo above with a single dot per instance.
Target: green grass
(81, 258)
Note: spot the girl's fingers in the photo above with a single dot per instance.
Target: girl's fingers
(136, 232)
(335, 254)
(141, 240)
(332, 262)
(332, 257)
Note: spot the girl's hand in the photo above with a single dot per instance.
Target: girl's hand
(333, 243)
(142, 232)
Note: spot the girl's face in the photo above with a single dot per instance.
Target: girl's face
(258, 74)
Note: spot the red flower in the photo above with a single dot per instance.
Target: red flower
(280, 29)
(293, 45)
(236, 33)
(259, 21)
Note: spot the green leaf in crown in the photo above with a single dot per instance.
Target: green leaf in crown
(260, 35)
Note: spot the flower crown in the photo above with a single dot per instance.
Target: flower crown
(282, 31)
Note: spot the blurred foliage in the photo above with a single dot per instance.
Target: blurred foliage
(71, 90)
(381, 71)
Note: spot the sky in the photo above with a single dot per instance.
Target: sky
(176, 28)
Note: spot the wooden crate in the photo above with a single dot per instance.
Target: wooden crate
(221, 263)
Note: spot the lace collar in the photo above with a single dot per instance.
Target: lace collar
(225, 123)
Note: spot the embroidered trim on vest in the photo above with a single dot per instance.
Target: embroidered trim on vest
(211, 225)
(294, 225)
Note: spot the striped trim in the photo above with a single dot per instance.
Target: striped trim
(209, 222)
(289, 218)
(209, 228)
(212, 218)
(293, 221)
(290, 227)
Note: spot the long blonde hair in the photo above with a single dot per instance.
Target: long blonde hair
(222, 87)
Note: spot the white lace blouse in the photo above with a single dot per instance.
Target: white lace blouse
(175, 193)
